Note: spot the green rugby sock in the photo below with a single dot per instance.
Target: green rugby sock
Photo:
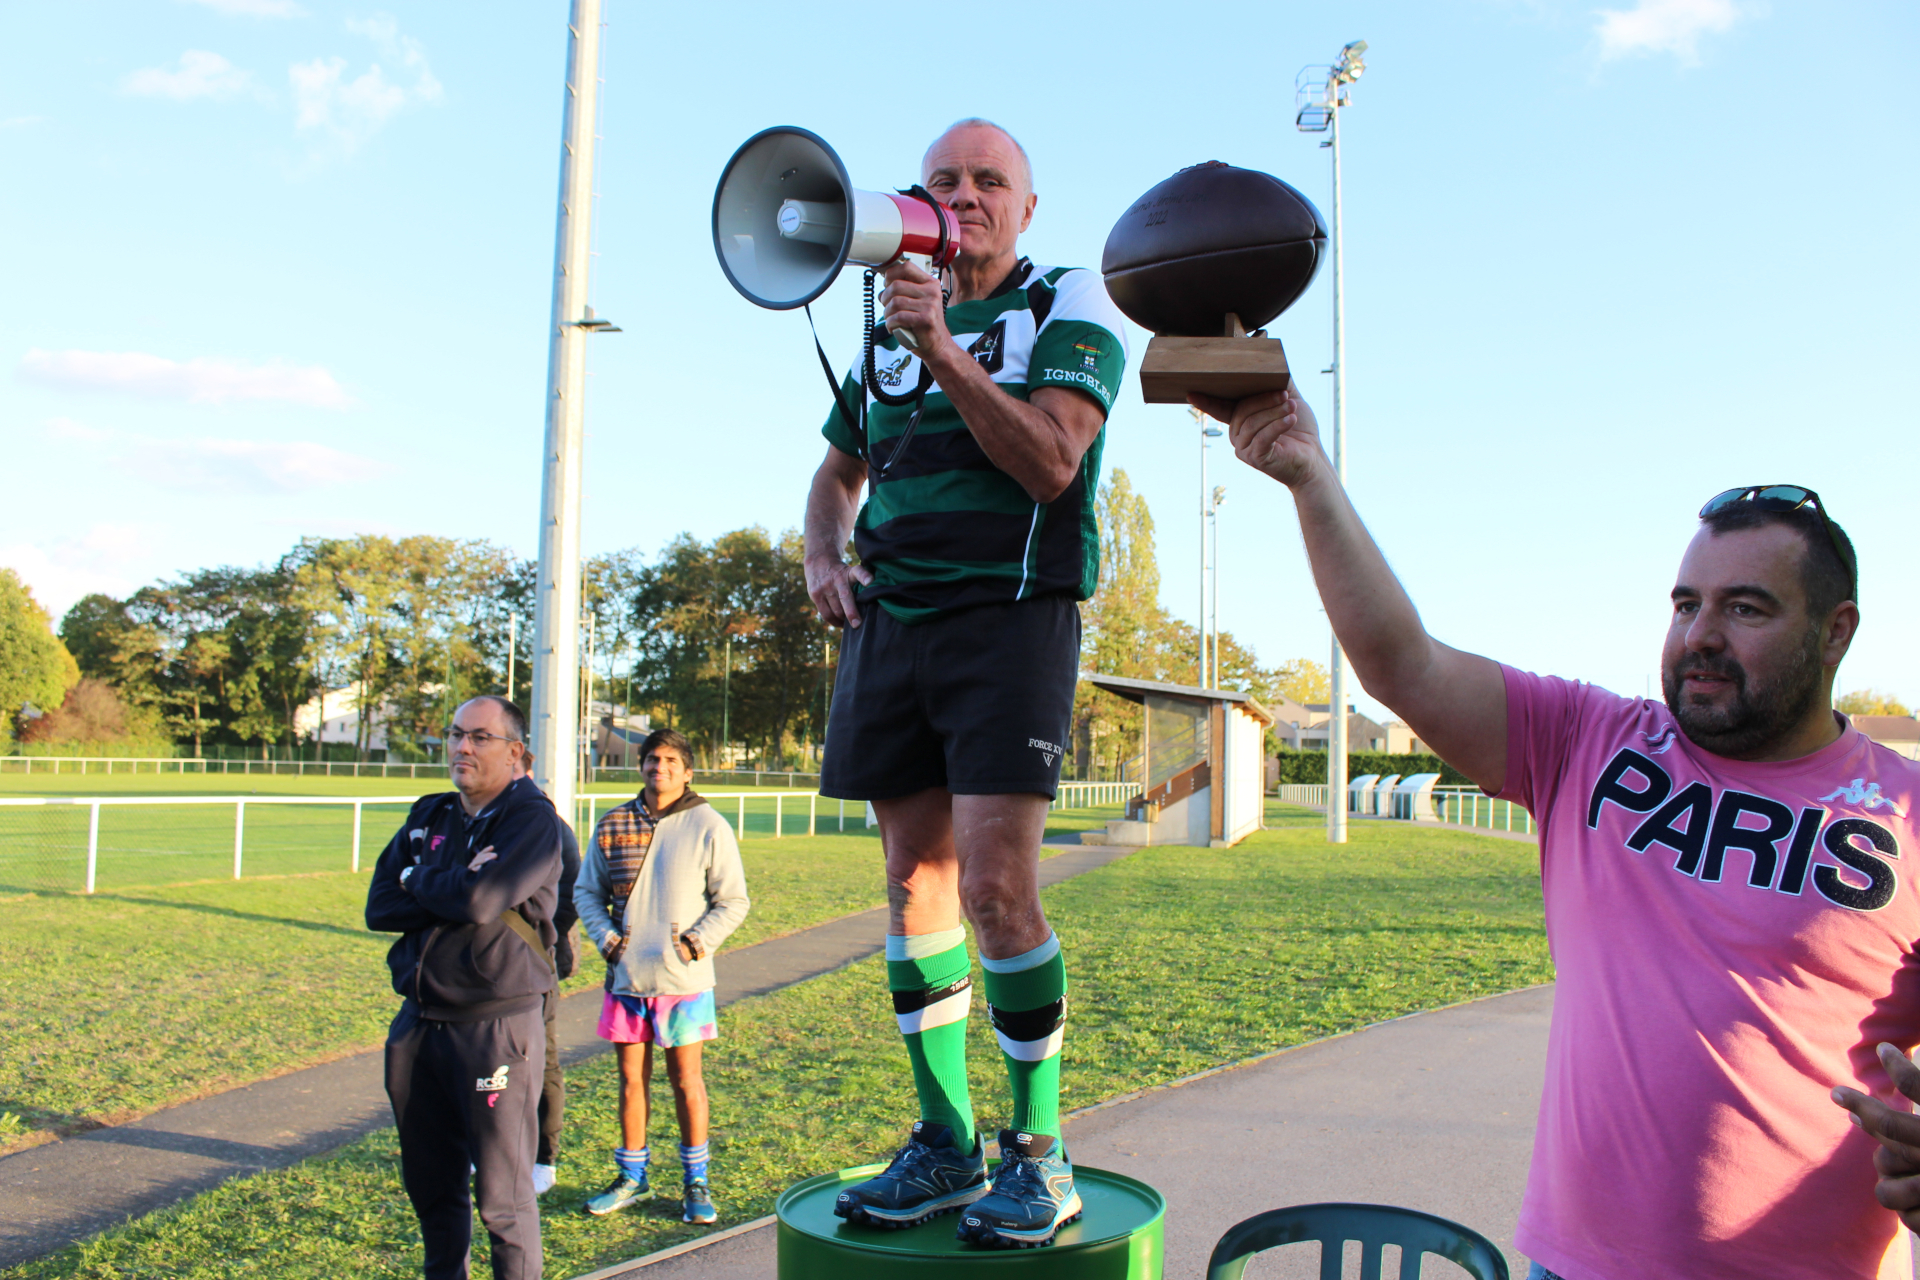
(931, 980)
(1027, 1000)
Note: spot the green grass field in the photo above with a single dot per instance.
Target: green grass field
(1281, 940)
(191, 982)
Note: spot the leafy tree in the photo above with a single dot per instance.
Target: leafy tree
(94, 715)
(35, 668)
(1870, 702)
(1303, 680)
(350, 587)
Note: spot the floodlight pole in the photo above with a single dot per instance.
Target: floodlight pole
(556, 709)
(1337, 692)
(1200, 629)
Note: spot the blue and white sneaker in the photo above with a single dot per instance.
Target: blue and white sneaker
(927, 1177)
(1032, 1197)
(621, 1193)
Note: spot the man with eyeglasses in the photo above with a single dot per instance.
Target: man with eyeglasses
(470, 883)
(1721, 872)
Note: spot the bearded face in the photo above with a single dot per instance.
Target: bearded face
(1746, 669)
(1763, 708)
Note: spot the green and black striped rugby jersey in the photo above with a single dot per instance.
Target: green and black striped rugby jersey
(945, 529)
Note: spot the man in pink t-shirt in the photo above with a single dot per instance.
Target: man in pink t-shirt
(1730, 929)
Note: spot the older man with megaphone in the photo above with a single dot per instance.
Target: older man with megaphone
(978, 424)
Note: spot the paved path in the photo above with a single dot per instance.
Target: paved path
(1433, 1111)
(135, 1168)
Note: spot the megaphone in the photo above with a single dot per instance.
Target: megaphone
(786, 218)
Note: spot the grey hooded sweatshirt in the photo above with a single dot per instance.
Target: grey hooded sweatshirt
(691, 876)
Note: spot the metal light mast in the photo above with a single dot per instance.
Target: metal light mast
(556, 710)
(1320, 93)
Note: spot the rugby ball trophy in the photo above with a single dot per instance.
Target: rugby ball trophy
(1205, 260)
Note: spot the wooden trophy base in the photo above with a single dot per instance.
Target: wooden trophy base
(1231, 366)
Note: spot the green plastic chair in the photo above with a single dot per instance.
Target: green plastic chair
(1373, 1225)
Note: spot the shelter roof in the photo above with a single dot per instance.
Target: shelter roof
(1137, 690)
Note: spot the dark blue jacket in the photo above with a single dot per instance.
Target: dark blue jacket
(456, 957)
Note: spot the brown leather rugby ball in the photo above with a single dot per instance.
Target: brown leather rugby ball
(1213, 239)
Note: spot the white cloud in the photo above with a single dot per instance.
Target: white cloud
(1664, 26)
(254, 8)
(106, 558)
(210, 464)
(344, 113)
(202, 380)
(200, 75)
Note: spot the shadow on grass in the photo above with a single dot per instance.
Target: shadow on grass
(230, 913)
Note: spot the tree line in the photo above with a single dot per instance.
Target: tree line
(715, 638)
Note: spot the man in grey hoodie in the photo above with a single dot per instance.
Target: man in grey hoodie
(660, 888)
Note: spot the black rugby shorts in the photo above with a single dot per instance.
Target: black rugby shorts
(977, 701)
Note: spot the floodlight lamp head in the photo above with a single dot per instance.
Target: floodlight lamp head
(786, 219)
(1351, 65)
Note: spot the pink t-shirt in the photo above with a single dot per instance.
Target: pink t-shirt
(1731, 939)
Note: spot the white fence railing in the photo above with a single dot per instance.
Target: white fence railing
(1470, 807)
(184, 837)
(240, 804)
(33, 766)
(593, 802)
(1456, 806)
(1087, 795)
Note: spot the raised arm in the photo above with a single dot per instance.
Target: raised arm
(832, 504)
(1455, 701)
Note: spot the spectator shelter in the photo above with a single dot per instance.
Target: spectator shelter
(1203, 754)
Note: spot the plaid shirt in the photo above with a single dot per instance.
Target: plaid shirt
(624, 835)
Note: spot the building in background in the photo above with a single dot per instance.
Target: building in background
(337, 712)
(617, 736)
(1896, 733)
(1303, 726)
(1402, 740)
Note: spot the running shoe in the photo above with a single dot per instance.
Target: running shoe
(696, 1204)
(620, 1193)
(544, 1176)
(927, 1177)
(1032, 1197)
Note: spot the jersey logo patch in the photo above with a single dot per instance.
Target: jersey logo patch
(890, 375)
(1867, 796)
(989, 349)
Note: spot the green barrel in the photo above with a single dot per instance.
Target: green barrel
(1119, 1236)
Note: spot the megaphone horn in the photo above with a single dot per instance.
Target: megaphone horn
(786, 218)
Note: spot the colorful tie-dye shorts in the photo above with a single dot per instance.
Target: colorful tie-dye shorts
(668, 1021)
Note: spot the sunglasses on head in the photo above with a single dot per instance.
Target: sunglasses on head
(1785, 497)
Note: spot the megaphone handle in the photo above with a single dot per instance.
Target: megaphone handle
(925, 264)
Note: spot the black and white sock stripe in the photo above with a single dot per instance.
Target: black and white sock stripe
(918, 1011)
(1030, 1035)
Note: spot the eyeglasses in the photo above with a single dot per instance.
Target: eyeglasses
(478, 737)
(1786, 497)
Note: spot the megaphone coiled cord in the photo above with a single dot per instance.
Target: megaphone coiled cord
(917, 397)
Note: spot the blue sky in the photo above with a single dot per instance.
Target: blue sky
(283, 268)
